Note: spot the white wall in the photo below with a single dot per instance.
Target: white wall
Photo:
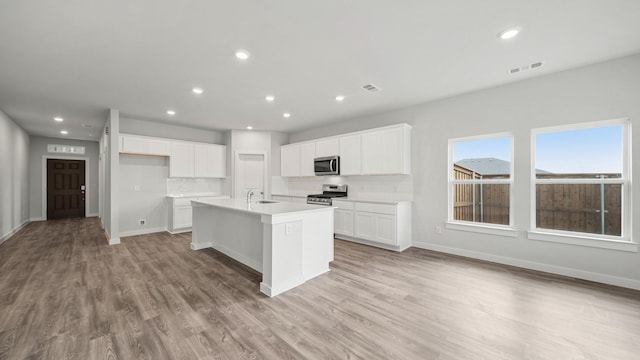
(151, 175)
(111, 160)
(38, 149)
(256, 141)
(602, 91)
(14, 191)
(143, 191)
(168, 131)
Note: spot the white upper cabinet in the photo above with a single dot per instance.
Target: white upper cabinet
(181, 161)
(186, 159)
(307, 154)
(159, 147)
(290, 160)
(381, 151)
(329, 147)
(133, 144)
(387, 151)
(351, 155)
(209, 161)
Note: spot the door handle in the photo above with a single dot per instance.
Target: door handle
(331, 165)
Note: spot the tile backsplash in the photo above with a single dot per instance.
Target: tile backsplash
(386, 187)
(178, 186)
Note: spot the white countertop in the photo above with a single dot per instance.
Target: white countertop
(373, 201)
(196, 195)
(274, 209)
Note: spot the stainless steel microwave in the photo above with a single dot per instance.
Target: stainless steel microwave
(328, 165)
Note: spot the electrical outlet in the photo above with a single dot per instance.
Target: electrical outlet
(142, 221)
(288, 229)
(439, 229)
(136, 187)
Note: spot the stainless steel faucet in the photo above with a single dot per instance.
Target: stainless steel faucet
(249, 195)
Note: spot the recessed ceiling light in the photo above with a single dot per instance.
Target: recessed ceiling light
(197, 90)
(270, 98)
(64, 132)
(171, 112)
(242, 54)
(340, 98)
(249, 127)
(509, 33)
(58, 119)
(287, 115)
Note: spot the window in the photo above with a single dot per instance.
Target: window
(581, 180)
(480, 179)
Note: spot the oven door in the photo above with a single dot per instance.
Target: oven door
(329, 165)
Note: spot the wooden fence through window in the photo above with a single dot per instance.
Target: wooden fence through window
(571, 207)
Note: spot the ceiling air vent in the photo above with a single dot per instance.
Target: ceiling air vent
(527, 67)
(371, 88)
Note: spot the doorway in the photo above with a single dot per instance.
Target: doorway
(66, 189)
(250, 173)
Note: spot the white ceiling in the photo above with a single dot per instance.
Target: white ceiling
(77, 58)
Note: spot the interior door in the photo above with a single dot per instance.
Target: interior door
(249, 174)
(65, 188)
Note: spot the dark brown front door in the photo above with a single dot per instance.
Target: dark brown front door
(65, 188)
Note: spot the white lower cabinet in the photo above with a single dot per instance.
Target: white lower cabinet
(383, 225)
(181, 212)
(343, 217)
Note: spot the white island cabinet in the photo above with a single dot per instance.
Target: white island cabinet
(289, 243)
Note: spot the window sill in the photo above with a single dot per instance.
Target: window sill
(579, 240)
(484, 229)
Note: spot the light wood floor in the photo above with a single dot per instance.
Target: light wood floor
(64, 293)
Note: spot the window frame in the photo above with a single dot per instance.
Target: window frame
(489, 228)
(623, 242)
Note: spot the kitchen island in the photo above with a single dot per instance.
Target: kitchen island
(289, 243)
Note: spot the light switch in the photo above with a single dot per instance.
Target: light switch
(136, 188)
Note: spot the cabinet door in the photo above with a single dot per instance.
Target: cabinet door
(182, 217)
(343, 222)
(158, 147)
(383, 152)
(133, 144)
(219, 156)
(209, 161)
(365, 225)
(371, 152)
(181, 161)
(290, 160)
(307, 154)
(385, 231)
(351, 155)
(391, 155)
(329, 147)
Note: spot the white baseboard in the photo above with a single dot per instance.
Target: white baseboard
(200, 246)
(559, 270)
(142, 231)
(255, 265)
(91, 215)
(38, 219)
(181, 231)
(114, 241)
(370, 243)
(14, 231)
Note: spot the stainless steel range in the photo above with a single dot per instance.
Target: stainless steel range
(329, 191)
